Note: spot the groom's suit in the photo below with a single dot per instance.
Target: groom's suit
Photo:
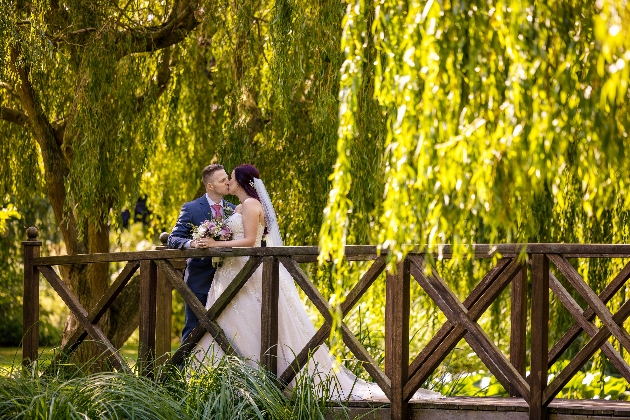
(199, 271)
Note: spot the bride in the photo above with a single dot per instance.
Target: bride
(240, 320)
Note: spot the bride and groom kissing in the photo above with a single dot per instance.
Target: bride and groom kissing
(240, 320)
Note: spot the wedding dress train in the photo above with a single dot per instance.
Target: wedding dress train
(241, 323)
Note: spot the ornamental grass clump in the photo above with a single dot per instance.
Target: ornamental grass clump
(233, 389)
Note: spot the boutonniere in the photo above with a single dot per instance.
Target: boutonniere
(228, 211)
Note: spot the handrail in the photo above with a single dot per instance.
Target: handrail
(479, 251)
(521, 266)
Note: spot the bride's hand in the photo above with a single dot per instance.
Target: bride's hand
(210, 242)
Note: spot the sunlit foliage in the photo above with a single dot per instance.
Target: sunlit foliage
(506, 121)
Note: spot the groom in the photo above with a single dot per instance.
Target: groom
(199, 271)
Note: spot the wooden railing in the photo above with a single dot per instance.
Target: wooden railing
(160, 270)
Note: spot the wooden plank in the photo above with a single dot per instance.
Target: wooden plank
(584, 354)
(308, 287)
(302, 357)
(495, 408)
(80, 313)
(518, 325)
(486, 356)
(234, 287)
(352, 298)
(397, 301)
(369, 363)
(486, 282)
(163, 318)
(608, 293)
(189, 297)
(420, 362)
(539, 337)
(30, 301)
(178, 254)
(269, 315)
(454, 310)
(351, 251)
(148, 294)
(315, 258)
(450, 334)
(217, 308)
(591, 299)
(576, 311)
(364, 283)
(102, 306)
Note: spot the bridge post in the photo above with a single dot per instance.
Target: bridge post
(540, 337)
(30, 307)
(269, 315)
(164, 310)
(397, 301)
(148, 292)
(518, 327)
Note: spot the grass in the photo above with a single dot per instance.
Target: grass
(233, 389)
(11, 356)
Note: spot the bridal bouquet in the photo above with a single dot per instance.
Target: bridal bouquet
(216, 229)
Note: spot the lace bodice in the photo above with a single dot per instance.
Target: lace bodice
(235, 223)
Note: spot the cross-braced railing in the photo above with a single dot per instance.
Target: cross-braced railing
(522, 266)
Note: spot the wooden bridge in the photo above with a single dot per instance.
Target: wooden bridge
(533, 396)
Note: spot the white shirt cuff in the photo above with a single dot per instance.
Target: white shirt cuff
(187, 244)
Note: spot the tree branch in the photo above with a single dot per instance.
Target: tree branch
(163, 76)
(59, 129)
(180, 23)
(10, 89)
(55, 166)
(13, 115)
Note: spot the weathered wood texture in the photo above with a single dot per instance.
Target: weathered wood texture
(160, 275)
(397, 337)
(269, 315)
(354, 252)
(487, 408)
(101, 307)
(81, 314)
(609, 291)
(213, 313)
(540, 336)
(148, 300)
(30, 309)
(518, 326)
(189, 297)
(163, 317)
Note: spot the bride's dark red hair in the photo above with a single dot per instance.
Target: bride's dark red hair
(245, 175)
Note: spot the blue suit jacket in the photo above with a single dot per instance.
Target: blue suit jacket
(199, 271)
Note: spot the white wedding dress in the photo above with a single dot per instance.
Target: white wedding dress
(241, 323)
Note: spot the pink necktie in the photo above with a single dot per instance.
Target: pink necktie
(217, 210)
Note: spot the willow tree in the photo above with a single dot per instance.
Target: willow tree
(102, 102)
(76, 78)
(495, 109)
(505, 122)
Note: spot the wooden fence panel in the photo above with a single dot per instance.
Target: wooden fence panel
(158, 276)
